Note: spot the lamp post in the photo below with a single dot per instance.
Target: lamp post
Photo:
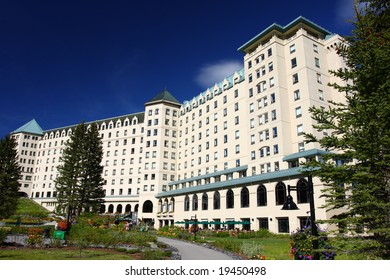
(289, 204)
(195, 220)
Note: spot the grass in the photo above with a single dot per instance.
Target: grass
(28, 207)
(274, 248)
(63, 254)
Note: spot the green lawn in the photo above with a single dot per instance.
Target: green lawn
(62, 254)
(274, 248)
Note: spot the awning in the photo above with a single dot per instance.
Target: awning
(214, 222)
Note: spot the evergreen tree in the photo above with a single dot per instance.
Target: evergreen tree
(92, 194)
(9, 176)
(79, 184)
(357, 172)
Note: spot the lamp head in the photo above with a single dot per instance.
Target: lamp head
(289, 204)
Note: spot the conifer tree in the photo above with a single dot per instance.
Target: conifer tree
(357, 171)
(9, 176)
(79, 184)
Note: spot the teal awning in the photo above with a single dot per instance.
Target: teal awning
(214, 222)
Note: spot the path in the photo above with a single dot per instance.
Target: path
(189, 251)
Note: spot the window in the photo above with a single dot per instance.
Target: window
(253, 155)
(271, 82)
(321, 94)
(297, 95)
(299, 129)
(205, 203)
(269, 52)
(292, 48)
(301, 146)
(298, 112)
(276, 149)
(229, 199)
(273, 115)
(261, 196)
(273, 98)
(250, 78)
(280, 192)
(251, 108)
(244, 197)
(317, 62)
(270, 66)
(262, 69)
(294, 62)
(283, 225)
(195, 202)
(295, 78)
(319, 78)
(186, 203)
(274, 132)
(216, 201)
(315, 48)
(263, 223)
(302, 191)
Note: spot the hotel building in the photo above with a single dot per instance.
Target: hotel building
(228, 154)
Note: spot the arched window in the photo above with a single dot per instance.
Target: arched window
(205, 203)
(136, 208)
(280, 192)
(147, 207)
(102, 209)
(119, 208)
(302, 191)
(216, 200)
(111, 208)
(186, 203)
(244, 197)
(128, 208)
(261, 196)
(172, 205)
(194, 202)
(229, 199)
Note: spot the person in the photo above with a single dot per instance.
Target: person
(127, 226)
(46, 232)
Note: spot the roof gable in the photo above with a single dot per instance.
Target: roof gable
(164, 96)
(30, 127)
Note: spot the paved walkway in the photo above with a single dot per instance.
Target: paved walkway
(190, 251)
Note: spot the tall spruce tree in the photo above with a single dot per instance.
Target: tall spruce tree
(79, 184)
(357, 172)
(9, 176)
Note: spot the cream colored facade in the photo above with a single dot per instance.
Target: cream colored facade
(226, 155)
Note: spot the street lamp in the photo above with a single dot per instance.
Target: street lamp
(289, 204)
(195, 220)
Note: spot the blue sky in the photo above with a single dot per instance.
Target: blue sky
(65, 61)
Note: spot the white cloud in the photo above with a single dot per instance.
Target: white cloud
(210, 74)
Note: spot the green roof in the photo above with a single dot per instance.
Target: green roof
(281, 175)
(30, 127)
(283, 29)
(305, 154)
(166, 96)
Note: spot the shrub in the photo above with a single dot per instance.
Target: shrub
(34, 237)
(3, 234)
(253, 250)
(301, 243)
(155, 254)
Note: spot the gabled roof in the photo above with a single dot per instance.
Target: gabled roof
(30, 127)
(295, 24)
(164, 96)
